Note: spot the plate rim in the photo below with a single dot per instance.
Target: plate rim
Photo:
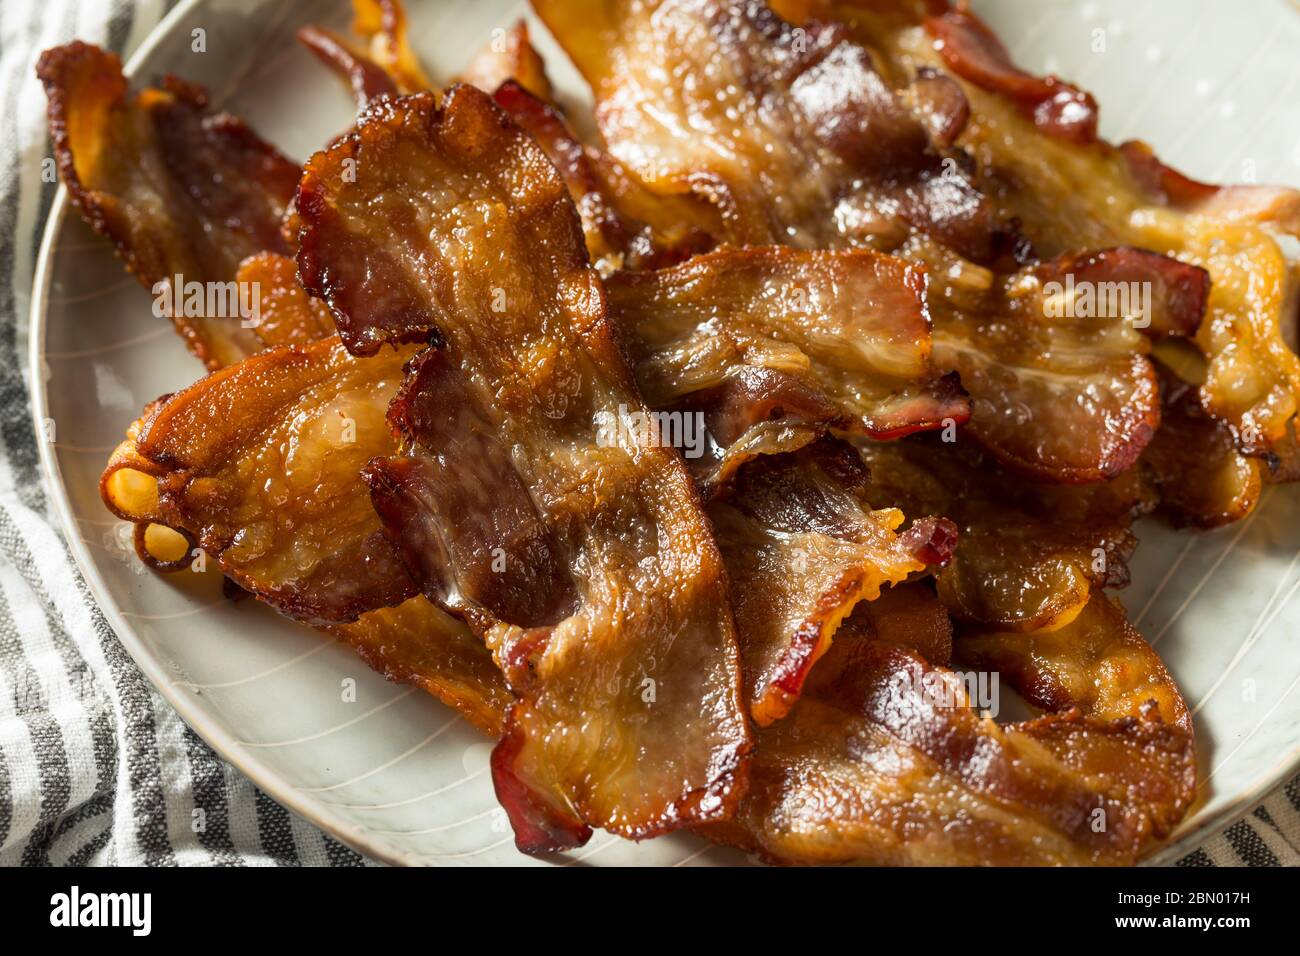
(1199, 828)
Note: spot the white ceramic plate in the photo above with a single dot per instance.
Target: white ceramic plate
(401, 778)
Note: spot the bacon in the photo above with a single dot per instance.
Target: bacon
(885, 760)
(417, 643)
(286, 314)
(365, 78)
(1201, 477)
(1060, 384)
(1068, 196)
(609, 200)
(974, 53)
(259, 465)
(509, 57)
(802, 548)
(178, 190)
(381, 24)
(1098, 664)
(771, 343)
(790, 133)
(628, 713)
(1028, 557)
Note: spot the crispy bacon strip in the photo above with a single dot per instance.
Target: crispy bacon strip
(418, 643)
(259, 465)
(287, 315)
(1069, 196)
(773, 346)
(629, 712)
(626, 226)
(509, 57)
(973, 52)
(802, 549)
(382, 25)
(885, 760)
(791, 133)
(365, 78)
(178, 189)
(1060, 384)
(1098, 664)
(1201, 477)
(1028, 556)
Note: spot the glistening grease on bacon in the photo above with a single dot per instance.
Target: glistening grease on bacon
(1069, 195)
(1029, 556)
(803, 548)
(259, 465)
(629, 713)
(774, 346)
(178, 189)
(791, 133)
(886, 758)
(626, 226)
(1054, 356)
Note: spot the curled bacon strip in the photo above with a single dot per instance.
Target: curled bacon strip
(1201, 477)
(790, 132)
(259, 465)
(886, 760)
(975, 53)
(1055, 360)
(1069, 195)
(1028, 557)
(179, 190)
(510, 57)
(626, 227)
(774, 345)
(802, 549)
(286, 314)
(628, 713)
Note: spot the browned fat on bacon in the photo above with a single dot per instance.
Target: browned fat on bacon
(629, 713)
(178, 189)
(259, 465)
(1069, 195)
(626, 226)
(790, 132)
(1029, 556)
(774, 346)
(886, 759)
(1055, 357)
(803, 547)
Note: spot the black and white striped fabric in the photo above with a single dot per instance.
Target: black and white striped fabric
(95, 767)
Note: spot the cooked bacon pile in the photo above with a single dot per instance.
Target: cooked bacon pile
(853, 244)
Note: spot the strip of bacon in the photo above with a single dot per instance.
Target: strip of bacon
(803, 548)
(259, 465)
(886, 760)
(287, 315)
(1029, 557)
(773, 346)
(1055, 355)
(509, 57)
(1069, 195)
(974, 53)
(178, 189)
(1201, 477)
(790, 132)
(629, 712)
(626, 226)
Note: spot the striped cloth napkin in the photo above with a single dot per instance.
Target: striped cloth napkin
(95, 767)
